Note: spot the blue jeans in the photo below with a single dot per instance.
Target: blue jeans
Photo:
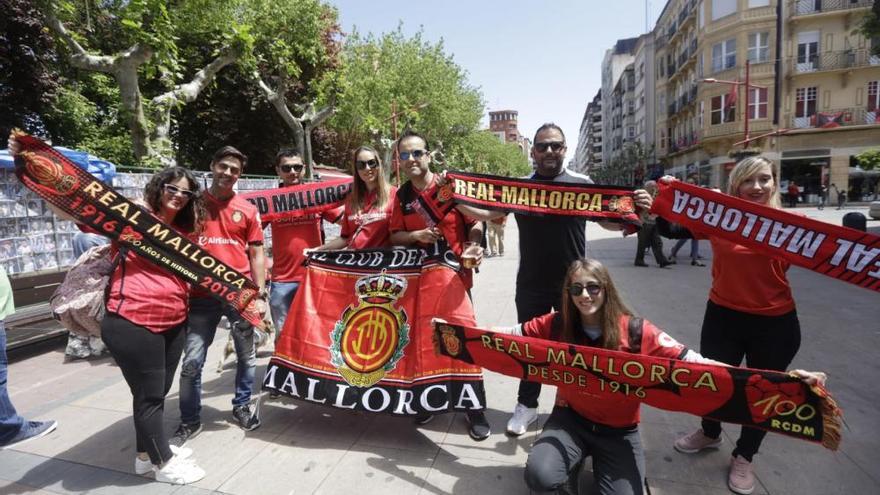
(204, 315)
(82, 242)
(695, 247)
(10, 421)
(280, 298)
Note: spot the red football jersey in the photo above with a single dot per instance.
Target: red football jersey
(290, 236)
(369, 228)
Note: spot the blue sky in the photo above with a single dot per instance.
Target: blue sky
(540, 58)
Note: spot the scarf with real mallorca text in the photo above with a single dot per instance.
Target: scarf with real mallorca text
(596, 203)
(359, 335)
(95, 204)
(299, 200)
(769, 400)
(838, 252)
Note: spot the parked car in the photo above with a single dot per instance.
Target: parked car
(874, 210)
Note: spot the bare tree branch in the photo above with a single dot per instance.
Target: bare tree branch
(188, 92)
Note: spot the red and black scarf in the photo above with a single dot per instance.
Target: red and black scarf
(839, 252)
(532, 197)
(91, 202)
(769, 400)
(299, 200)
(358, 335)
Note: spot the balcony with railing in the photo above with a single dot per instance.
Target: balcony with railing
(832, 61)
(726, 129)
(811, 7)
(839, 117)
(685, 143)
(692, 49)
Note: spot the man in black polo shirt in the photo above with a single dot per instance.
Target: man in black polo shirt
(547, 246)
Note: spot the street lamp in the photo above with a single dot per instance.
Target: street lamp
(748, 86)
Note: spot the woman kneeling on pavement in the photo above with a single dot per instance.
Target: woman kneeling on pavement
(594, 314)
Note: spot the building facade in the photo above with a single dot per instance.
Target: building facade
(615, 62)
(813, 102)
(504, 124)
(588, 156)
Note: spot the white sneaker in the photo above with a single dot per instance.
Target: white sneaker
(522, 417)
(179, 471)
(142, 467)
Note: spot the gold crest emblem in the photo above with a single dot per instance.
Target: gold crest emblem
(48, 172)
(444, 194)
(450, 341)
(368, 341)
(237, 216)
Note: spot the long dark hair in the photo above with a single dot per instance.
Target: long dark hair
(359, 190)
(192, 216)
(609, 314)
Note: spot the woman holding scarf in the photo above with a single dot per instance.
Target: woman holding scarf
(594, 314)
(750, 314)
(368, 207)
(145, 324)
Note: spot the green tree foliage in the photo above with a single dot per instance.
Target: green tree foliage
(430, 90)
(870, 27)
(869, 159)
(482, 152)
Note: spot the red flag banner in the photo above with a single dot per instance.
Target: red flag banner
(299, 200)
(839, 252)
(769, 400)
(532, 197)
(359, 334)
(91, 202)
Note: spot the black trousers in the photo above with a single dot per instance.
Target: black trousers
(766, 342)
(649, 236)
(530, 304)
(148, 362)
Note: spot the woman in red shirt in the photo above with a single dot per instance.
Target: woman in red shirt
(750, 314)
(368, 207)
(145, 324)
(594, 314)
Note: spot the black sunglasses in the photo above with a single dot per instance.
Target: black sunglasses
(576, 289)
(365, 164)
(415, 154)
(172, 189)
(553, 145)
(287, 168)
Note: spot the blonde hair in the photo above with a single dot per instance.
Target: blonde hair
(609, 314)
(359, 189)
(747, 167)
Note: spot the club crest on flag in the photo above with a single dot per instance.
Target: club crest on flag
(368, 340)
(450, 341)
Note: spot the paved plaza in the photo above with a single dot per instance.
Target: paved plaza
(308, 449)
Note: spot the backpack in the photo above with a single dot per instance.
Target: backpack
(80, 301)
(634, 329)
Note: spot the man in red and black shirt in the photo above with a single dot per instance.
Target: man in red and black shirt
(410, 228)
(233, 234)
(290, 236)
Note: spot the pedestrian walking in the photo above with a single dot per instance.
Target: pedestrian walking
(496, 235)
(648, 235)
(793, 193)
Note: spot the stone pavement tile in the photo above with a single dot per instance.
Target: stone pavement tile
(707, 468)
(291, 464)
(467, 475)
(114, 397)
(675, 422)
(666, 487)
(222, 452)
(56, 382)
(94, 436)
(790, 466)
(499, 447)
(377, 470)
(315, 420)
(403, 434)
(10, 487)
(53, 475)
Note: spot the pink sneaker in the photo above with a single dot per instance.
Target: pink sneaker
(741, 478)
(695, 442)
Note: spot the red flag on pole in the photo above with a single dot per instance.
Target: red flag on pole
(730, 101)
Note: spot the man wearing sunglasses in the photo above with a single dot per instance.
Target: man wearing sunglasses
(290, 237)
(547, 245)
(409, 228)
(232, 233)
